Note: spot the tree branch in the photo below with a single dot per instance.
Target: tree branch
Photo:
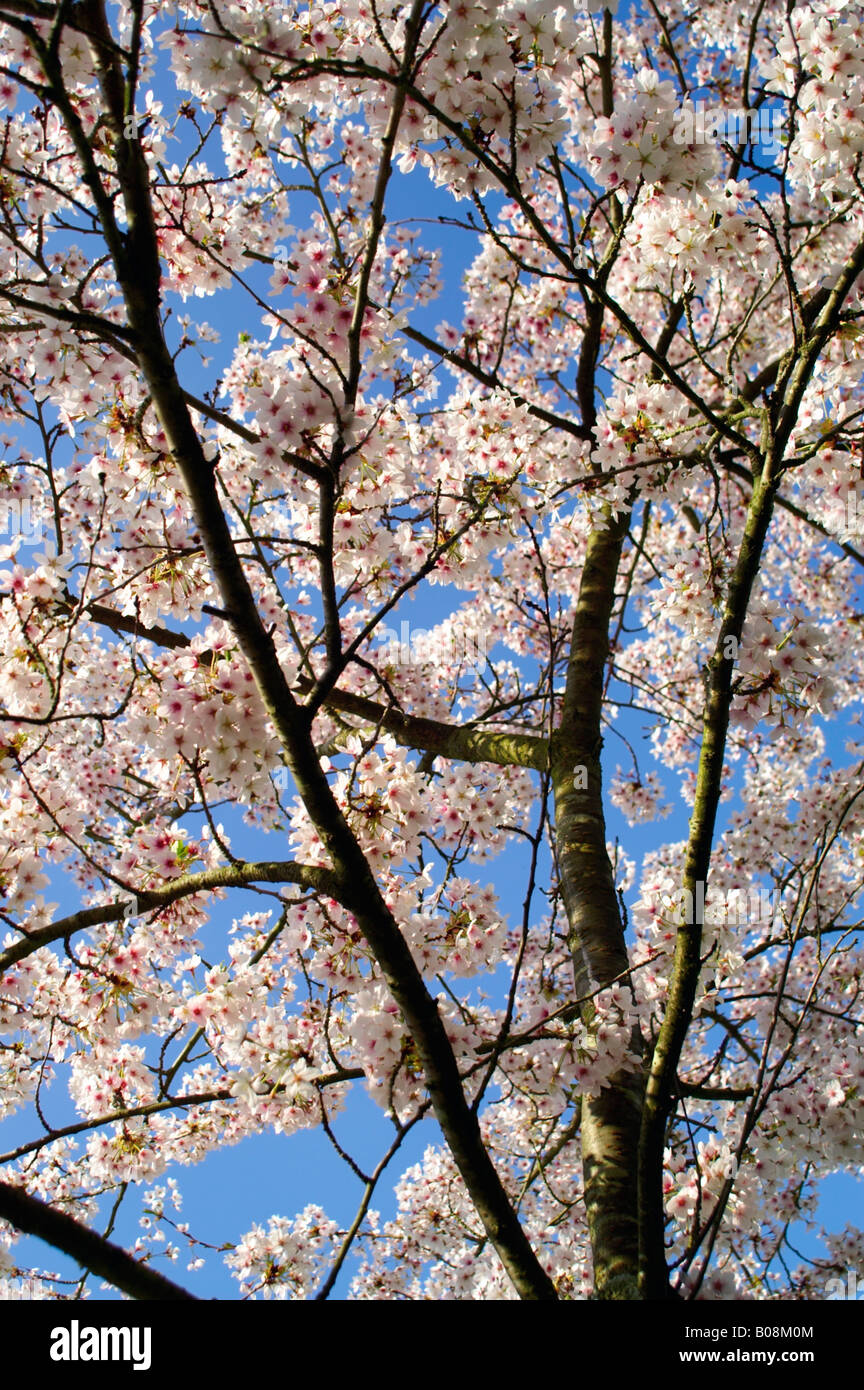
(320, 880)
(92, 1251)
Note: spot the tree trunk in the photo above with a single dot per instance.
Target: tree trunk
(610, 1120)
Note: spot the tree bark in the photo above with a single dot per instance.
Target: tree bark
(610, 1120)
(136, 259)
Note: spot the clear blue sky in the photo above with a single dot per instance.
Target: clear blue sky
(240, 1186)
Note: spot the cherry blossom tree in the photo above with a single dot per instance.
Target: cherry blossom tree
(623, 486)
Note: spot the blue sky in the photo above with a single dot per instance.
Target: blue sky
(240, 1186)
